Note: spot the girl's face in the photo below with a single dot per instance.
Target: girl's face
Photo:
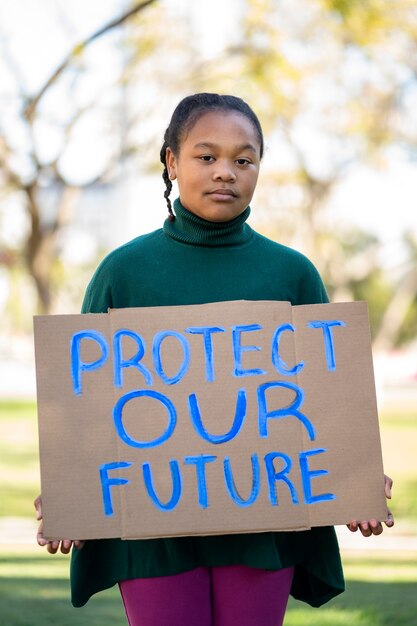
(217, 166)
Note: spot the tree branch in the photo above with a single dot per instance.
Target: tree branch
(78, 49)
(11, 178)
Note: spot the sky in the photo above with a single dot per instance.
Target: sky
(385, 203)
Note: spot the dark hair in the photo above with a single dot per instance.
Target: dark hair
(186, 114)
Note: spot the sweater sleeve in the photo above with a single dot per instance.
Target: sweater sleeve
(98, 295)
(312, 289)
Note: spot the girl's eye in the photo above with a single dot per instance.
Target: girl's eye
(242, 161)
(207, 158)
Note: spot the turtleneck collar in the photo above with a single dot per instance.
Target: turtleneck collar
(189, 228)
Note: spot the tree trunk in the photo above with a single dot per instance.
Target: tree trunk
(41, 242)
(396, 312)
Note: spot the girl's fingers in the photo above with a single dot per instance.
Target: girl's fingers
(390, 519)
(38, 506)
(66, 546)
(371, 527)
(39, 537)
(41, 540)
(375, 527)
(52, 547)
(388, 486)
(365, 529)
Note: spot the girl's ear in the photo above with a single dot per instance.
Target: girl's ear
(171, 164)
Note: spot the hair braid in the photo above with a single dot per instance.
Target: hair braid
(167, 181)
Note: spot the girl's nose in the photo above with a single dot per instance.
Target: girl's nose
(224, 171)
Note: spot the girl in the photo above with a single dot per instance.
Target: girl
(206, 252)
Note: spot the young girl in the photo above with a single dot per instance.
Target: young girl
(206, 252)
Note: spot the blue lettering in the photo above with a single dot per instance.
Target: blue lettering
(207, 331)
(240, 415)
(277, 361)
(156, 353)
(238, 349)
(231, 487)
(120, 363)
(291, 410)
(176, 486)
(328, 339)
(273, 476)
(107, 482)
(147, 393)
(200, 462)
(308, 474)
(78, 366)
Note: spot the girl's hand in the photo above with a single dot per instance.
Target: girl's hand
(52, 546)
(373, 526)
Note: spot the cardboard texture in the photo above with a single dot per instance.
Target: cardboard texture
(222, 418)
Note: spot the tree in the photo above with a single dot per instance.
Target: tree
(26, 173)
(334, 82)
(399, 321)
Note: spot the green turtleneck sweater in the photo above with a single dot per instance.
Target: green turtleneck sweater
(193, 261)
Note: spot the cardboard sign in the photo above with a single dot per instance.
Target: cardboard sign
(222, 418)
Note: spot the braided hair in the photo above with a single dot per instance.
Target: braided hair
(186, 114)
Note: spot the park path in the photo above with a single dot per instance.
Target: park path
(21, 532)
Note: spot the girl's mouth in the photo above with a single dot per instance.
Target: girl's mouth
(223, 194)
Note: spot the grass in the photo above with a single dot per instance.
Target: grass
(399, 445)
(380, 591)
(19, 459)
(34, 589)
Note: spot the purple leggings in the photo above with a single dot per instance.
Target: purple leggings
(209, 596)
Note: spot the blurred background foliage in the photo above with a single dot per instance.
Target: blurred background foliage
(334, 83)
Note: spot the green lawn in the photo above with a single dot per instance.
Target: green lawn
(380, 591)
(19, 460)
(34, 590)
